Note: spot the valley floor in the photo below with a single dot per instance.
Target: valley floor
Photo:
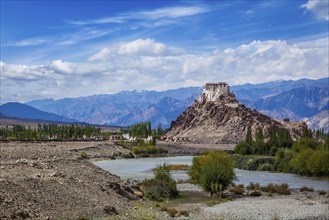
(53, 180)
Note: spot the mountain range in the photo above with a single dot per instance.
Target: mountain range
(296, 100)
(18, 110)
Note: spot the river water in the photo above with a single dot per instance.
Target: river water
(142, 168)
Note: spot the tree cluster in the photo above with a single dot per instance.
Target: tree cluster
(278, 138)
(50, 132)
(308, 156)
(144, 130)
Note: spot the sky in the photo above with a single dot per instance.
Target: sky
(58, 49)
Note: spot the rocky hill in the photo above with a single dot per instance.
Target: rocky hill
(224, 121)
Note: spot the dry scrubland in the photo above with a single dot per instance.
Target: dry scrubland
(50, 180)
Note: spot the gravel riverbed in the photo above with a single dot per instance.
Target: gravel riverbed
(298, 205)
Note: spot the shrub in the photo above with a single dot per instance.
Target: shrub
(253, 186)
(84, 155)
(273, 150)
(161, 186)
(306, 189)
(148, 149)
(172, 212)
(256, 193)
(111, 210)
(265, 167)
(242, 148)
(136, 150)
(214, 171)
(282, 189)
(322, 192)
(249, 162)
(183, 213)
(238, 190)
(282, 159)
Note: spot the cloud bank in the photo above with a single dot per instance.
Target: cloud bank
(148, 64)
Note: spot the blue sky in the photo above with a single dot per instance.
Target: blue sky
(58, 49)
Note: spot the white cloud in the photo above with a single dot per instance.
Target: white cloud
(101, 55)
(318, 7)
(142, 47)
(172, 12)
(147, 64)
(159, 13)
(139, 47)
(27, 42)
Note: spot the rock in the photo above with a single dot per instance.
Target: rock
(139, 194)
(58, 174)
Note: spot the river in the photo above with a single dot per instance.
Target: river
(142, 168)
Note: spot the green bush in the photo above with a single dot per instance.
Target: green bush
(310, 158)
(136, 150)
(242, 148)
(84, 155)
(148, 149)
(273, 150)
(265, 167)
(214, 171)
(162, 186)
(282, 159)
(251, 162)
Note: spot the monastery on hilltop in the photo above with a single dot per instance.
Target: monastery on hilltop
(212, 91)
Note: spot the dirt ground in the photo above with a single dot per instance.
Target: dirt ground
(49, 180)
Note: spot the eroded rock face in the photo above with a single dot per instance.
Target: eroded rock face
(224, 121)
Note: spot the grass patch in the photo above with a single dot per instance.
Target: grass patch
(183, 181)
(178, 167)
(191, 197)
(141, 210)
